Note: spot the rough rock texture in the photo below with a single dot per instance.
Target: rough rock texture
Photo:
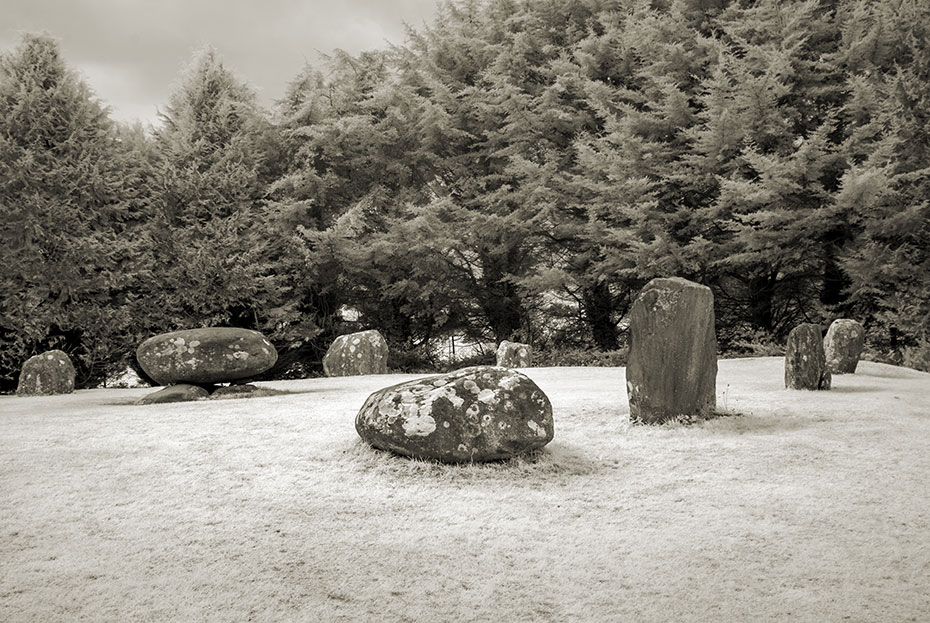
(364, 352)
(514, 355)
(234, 391)
(45, 374)
(175, 393)
(843, 346)
(483, 413)
(805, 362)
(201, 356)
(672, 367)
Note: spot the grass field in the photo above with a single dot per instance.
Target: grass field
(809, 506)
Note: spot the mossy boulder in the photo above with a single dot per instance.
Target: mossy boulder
(365, 352)
(672, 367)
(46, 374)
(843, 346)
(514, 355)
(204, 356)
(482, 413)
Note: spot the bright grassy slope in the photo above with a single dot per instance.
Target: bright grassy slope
(809, 507)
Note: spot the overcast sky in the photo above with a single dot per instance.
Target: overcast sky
(131, 52)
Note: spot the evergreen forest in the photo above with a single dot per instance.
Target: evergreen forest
(515, 169)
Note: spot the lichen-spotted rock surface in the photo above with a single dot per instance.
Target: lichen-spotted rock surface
(514, 355)
(365, 352)
(203, 356)
(483, 413)
(843, 346)
(672, 367)
(46, 374)
(805, 361)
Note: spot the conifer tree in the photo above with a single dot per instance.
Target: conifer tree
(67, 213)
(887, 55)
(216, 241)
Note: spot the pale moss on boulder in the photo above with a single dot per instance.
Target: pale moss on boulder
(46, 374)
(805, 361)
(843, 345)
(204, 356)
(514, 355)
(365, 352)
(482, 413)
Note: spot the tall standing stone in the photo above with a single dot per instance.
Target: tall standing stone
(46, 374)
(843, 346)
(514, 355)
(805, 362)
(365, 352)
(672, 368)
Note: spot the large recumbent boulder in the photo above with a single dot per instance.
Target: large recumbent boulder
(672, 366)
(482, 413)
(805, 361)
(514, 355)
(843, 346)
(205, 356)
(46, 374)
(365, 352)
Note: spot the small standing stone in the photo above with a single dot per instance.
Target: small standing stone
(805, 362)
(843, 346)
(46, 374)
(482, 413)
(365, 352)
(182, 392)
(672, 367)
(514, 355)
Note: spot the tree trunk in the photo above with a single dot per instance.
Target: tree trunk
(598, 307)
(761, 301)
(503, 309)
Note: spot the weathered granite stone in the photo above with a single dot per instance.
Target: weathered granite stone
(672, 367)
(514, 355)
(46, 374)
(843, 346)
(482, 413)
(805, 362)
(202, 356)
(181, 392)
(365, 352)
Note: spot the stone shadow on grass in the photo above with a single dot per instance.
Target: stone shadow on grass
(261, 392)
(555, 461)
(749, 424)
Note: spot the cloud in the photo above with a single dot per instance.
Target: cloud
(132, 51)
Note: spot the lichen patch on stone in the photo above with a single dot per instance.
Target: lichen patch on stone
(419, 425)
(487, 396)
